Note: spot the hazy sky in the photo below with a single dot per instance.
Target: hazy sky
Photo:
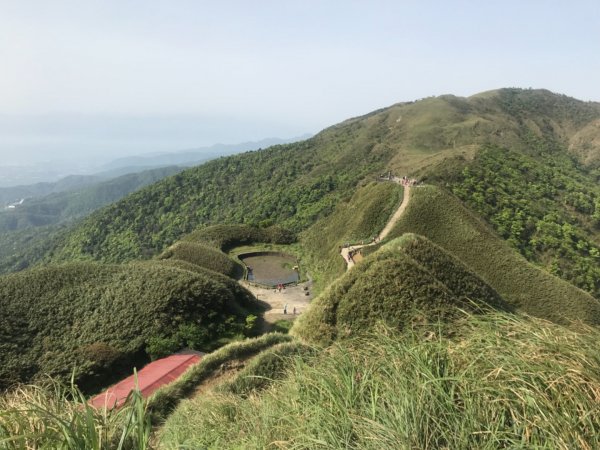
(121, 77)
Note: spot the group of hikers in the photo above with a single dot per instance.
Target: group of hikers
(285, 309)
(404, 181)
(281, 287)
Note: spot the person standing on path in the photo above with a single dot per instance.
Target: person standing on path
(285, 309)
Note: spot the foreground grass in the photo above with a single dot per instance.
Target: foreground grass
(507, 382)
(55, 416)
(165, 399)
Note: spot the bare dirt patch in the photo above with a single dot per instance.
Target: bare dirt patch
(296, 298)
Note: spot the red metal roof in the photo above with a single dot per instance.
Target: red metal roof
(153, 376)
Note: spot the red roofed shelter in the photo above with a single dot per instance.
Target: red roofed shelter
(153, 376)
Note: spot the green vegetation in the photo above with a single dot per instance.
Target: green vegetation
(291, 185)
(164, 400)
(295, 185)
(53, 416)
(507, 382)
(441, 218)
(549, 212)
(226, 237)
(99, 319)
(203, 256)
(408, 280)
(67, 205)
(20, 248)
(265, 368)
(282, 326)
(355, 221)
(427, 344)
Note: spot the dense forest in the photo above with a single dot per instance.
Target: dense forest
(544, 205)
(92, 320)
(72, 203)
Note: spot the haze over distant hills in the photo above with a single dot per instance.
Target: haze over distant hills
(53, 168)
(195, 156)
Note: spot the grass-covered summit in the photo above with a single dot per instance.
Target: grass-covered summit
(409, 280)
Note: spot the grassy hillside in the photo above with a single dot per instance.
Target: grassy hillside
(96, 319)
(73, 203)
(506, 382)
(360, 218)
(409, 280)
(544, 204)
(442, 218)
(203, 256)
(225, 237)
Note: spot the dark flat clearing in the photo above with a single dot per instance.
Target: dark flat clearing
(271, 269)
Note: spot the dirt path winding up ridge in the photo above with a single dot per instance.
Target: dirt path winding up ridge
(386, 230)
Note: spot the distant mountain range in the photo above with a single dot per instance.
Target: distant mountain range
(81, 195)
(195, 156)
(19, 181)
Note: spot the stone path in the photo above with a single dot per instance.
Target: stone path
(293, 296)
(386, 230)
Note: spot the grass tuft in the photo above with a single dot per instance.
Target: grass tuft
(56, 416)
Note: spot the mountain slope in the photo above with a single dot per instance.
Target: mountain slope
(77, 202)
(542, 203)
(98, 319)
(298, 184)
(440, 217)
(407, 280)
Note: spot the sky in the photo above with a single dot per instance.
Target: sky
(94, 80)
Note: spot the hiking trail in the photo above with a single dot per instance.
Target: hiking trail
(345, 252)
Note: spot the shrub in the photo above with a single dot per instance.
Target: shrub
(225, 237)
